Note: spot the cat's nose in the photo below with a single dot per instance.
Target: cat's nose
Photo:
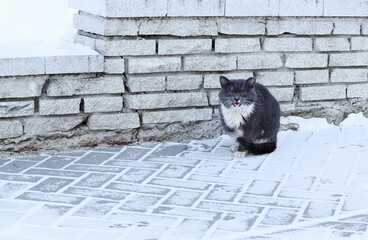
(236, 98)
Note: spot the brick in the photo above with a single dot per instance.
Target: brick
(103, 104)
(287, 44)
(275, 78)
(188, 185)
(130, 164)
(354, 9)
(136, 175)
(311, 76)
(169, 150)
(229, 207)
(56, 162)
(212, 167)
(299, 182)
(56, 173)
(349, 59)
(94, 180)
(237, 222)
(22, 66)
(210, 63)
(365, 28)
(96, 193)
(268, 61)
(320, 210)
(197, 228)
(213, 80)
(131, 153)
(201, 178)
(347, 27)
(261, 187)
(84, 40)
(166, 100)
(57, 198)
(234, 45)
(349, 75)
(174, 171)
(251, 8)
(128, 217)
(95, 208)
(240, 27)
(59, 106)
(113, 121)
(16, 109)
(91, 168)
(146, 84)
(182, 198)
(282, 94)
(153, 65)
(331, 44)
(47, 214)
(10, 129)
(359, 43)
(19, 178)
(306, 61)
(187, 212)
(140, 203)
(272, 201)
(126, 47)
(179, 27)
(10, 190)
(114, 65)
(136, 188)
(52, 124)
(301, 8)
(323, 93)
(184, 82)
(83, 86)
(276, 216)
(189, 115)
(299, 27)
(89, 23)
(190, 8)
(74, 64)
(184, 46)
(223, 193)
(52, 185)
(19, 87)
(357, 91)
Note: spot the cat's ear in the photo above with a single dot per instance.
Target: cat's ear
(251, 82)
(224, 81)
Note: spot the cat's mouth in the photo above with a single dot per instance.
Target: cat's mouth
(236, 104)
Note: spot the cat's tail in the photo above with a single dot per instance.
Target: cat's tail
(258, 149)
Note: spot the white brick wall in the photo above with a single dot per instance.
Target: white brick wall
(306, 61)
(265, 61)
(349, 59)
(311, 76)
(349, 75)
(113, 121)
(103, 104)
(183, 46)
(126, 47)
(10, 129)
(288, 44)
(59, 106)
(189, 115)
(184, 82)
(154, 65)
(331, 44)
(210, 63)
(234, 45)
(146, 84)
(323, 93)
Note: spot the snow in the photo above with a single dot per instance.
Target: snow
(35, 28)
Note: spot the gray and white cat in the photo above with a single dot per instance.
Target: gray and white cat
(250, 114)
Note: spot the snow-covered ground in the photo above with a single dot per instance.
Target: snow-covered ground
(36, 28)
(314, 186)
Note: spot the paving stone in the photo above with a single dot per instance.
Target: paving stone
(135, 175)
(94, 180)
(146, 232)
(57, 198)
(299, 182)
(183, 161)
(212, 167)
(47, 214)
(132, 153)
(126, 187)
(16, 205)
(179, 184)
(97, 193)
(19, 178)
(51, 185)
(320, 196)
(56, 162)
(259, 187)
(89, 168)
(217, 179)
(197, 228)
(7, 218)
(95, 208)
(8, 190)
(249, 163)
(32, 158)
(187, 212)
(237, 222)
(342, 226)
(174, 171)
(57, 173)
(140, 203)
(229, 207)
(95, 158)
(206, 156)
(271, 201)
(183, 198)
(276, 216)
(319, 210)
(169, 150)
(133, 164)
(140, 218)
(16, 166)
(223, 193)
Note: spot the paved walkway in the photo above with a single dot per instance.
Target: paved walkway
(314, 186)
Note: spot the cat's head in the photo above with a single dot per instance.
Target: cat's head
(237, 93)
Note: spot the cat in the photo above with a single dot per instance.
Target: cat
(250, 114)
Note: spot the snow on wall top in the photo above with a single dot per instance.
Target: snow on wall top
(228, 8)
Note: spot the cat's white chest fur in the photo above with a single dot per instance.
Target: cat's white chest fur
(234, 117)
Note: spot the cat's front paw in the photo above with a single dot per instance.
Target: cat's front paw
(233, 148)
(240, 154)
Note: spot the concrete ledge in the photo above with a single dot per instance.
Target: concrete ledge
(228, 8)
